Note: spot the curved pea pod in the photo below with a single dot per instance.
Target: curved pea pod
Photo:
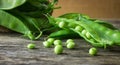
(10, 4)
(62, 34)
(11, 22)
(78, 17)
(99, 35)
(95, 40)
(107, 35)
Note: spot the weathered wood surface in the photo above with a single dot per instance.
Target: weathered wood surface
(13, 51)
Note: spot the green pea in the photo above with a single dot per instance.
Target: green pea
(70, 45)
(84, 32)
(50, 40)
(47, 44)
(31, 46)
(93, 51)
(58, 49)
(69, 40)
(57, 42)
(78, 28)
(88, 35)
(61, 24)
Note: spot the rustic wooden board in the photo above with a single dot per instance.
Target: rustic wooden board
(13, 51)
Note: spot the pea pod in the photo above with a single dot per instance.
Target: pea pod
(105, 33)
(9, 21)
(29, 13)
(99, 33)
(62, 34)
(56, 21)
(30, 22)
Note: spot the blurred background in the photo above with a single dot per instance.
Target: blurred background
(101, 9)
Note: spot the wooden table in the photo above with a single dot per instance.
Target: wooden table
(13, 51)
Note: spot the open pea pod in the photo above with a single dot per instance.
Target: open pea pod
(70, 24)
(11, 22)
(99, 35)
(107, 35)
(86, 33)
(10, 4)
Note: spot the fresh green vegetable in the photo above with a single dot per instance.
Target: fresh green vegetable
(70, 45)
(26, 16)
(78, 28)
(51, 40)
(97, 32)
(62, 34)
(58, 49)
(57, 42)
(31, 46)
(47, 44)
(94, 43)
(76, 16)
(93, 51)
(83, 32)
(9, 21)
(88, 35)
(69, 40)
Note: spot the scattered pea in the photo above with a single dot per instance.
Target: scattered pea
(47, 44)
(69, 40)
(58, 49)
(50, 40)
(70, 45)
(57, 42)
(93, 51)
(31, 46)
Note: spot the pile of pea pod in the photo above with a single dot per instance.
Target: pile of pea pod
(97, 32)
(26, 16)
